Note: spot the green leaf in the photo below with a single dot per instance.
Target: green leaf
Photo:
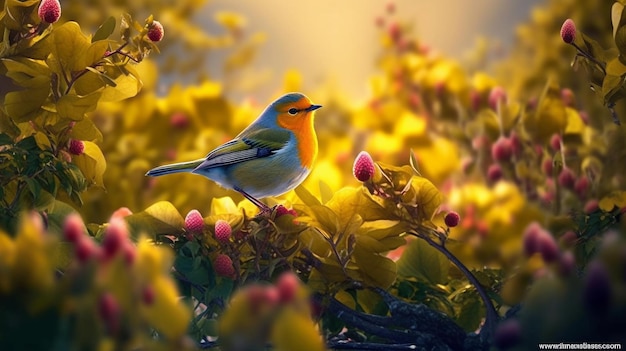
(375, 269)
(471, 313)
(57, 212)
(423, 262)
(5, 139)
(105, 30)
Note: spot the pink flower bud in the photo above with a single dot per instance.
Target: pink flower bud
(502, 149)
(223, 231)
(287, 286)
(155, 32)
(49, 11)
(77, 147)
(363, 168)
(194, 222)
(223, 266)
(452, 219)
(496, 95)
(568, 31)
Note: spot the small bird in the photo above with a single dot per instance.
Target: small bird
(271, 156)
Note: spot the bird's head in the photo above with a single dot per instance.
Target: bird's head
(294, 111)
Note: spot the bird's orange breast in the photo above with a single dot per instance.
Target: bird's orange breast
(302, 127)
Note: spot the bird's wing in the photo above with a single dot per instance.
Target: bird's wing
(257, 144)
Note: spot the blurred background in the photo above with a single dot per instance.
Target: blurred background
(330, 41)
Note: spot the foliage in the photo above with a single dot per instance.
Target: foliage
(532, 169)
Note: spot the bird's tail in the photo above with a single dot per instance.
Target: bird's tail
(174, 168)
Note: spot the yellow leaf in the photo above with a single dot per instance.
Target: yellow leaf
(294, 331)
(91, 163)
(75, 107)
(223, 205)
(22, 105)
(167, 314)
(69, 43)
(612, 200)
(128, 85)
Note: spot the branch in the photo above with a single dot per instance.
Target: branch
(491, 315)
(417, 326)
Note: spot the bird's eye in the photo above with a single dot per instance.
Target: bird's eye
(293, 111)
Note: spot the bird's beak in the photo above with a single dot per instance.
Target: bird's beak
(312, 108)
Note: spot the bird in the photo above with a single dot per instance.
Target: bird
(270, 157)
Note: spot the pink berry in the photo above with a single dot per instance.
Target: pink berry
(516, 144)
(73, 228)
(194, 222)
(480, 142)
(121, 213)
(591, 206)
(496, 95)
(223, 266)
(109, 310)
(49, 11)
(581, 186)
(494, 172)
(155, 31)
(281, 210)
(363, 168)
(287, 286)
(223, 231)
(475, 100)
(77, 147)
(391, 7)
(129, 253)
(567, 178)
(507, 334)
(567, 96)
(502, 149)
(547, 166)
(466, 165)
(380, 22)
(148, 295)
(597, 292)
(270, 296)
(567, 263)
(569, 238)
(555, 142)
(452, 219)
(531, 238)
(568, 31)
(547, 247)
(179, 120)
(86, 249)
(395, 31)
(115, 237)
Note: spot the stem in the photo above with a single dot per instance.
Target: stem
(590, 58)
(491, 314)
